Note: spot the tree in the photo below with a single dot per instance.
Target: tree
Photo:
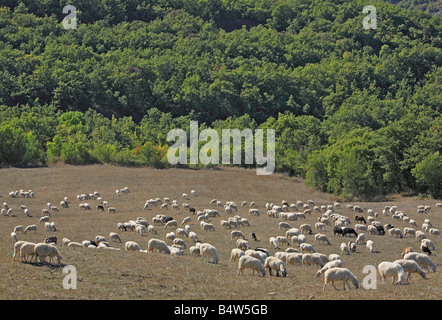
(428, 174)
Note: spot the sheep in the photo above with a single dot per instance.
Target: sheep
(422, 260)
(17, 246)
(207, 226)
(321, 238)
(305, 229)
(261, 256)
(248, 262)
(345, 249)
(311, 259)
(111, 210)
(179, 242)
(411, 266)
(52, 240)
(30, 228)
(306, 247)
(195, 251)
(339, 274)
(14, 236)
(236, 254)
(242, 244)
(369, 246)
(284, 226)
(193, 236)
(274, 242)
(428, 243)
(209, 251)
(171, 223)
(392, 269)
(360, 239)
(434, 232)
(420, 235)
(27, 249)
(320, 226)
(43, 250)
(409, 231)
(396, 232)
(65, 241)
(157, 245)
(294, 258)
(76, 244)
(132, 246)
(225, 224)
(115, 237)
(236, 234)
(329, 265)
(276, 264)
(348, 231)
(298, 239)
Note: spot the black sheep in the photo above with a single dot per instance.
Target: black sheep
(349, 231)
(337, 230)
(253, 236)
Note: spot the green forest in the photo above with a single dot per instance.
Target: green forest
(357, 112)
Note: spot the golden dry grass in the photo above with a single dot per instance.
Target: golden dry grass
(106, 274)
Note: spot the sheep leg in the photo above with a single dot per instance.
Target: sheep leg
(333, 284)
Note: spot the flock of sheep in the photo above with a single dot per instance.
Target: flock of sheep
(303, 248)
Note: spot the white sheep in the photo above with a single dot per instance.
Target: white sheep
(242, 244)
(277, 264)
(236, 234)
(294, 258)
(396, 232)
(307, 247)
(249, 262)
(321, 238)
(344, 248)
(392, 269)
(195, 251)
(411, 266)
(209, 251)
(27, 249)
(17, 246)
(132, 246)
(274, 242)
(115, 237)
(339, 274)
(157, 245)
(434, 232)
(261, 256)
(369, 246)
(179, 242)
(329, 265)
(310, 259)
(236, 254)
(422, 260)
(76, 244)
(171, 223)
(360, 239)
(44, 250)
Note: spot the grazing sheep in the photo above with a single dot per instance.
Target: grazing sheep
(428, 243)
(132, 246)
(179, 242)
(294, 258)
(27, 249)
(306, 247)
(236, 234)
(17, 246)
(242, 244)
(115, 237)
(30, 228)
(305, 229)
(111, 210)
(411, 266)
(392, 269)
(344, 248)
(157, 245)
(422, 260)
(322, 238)
(277, 264)
(171, 223)
(329, 265)
(249, 262)
(409, 231)
(75, 244)
(369, 246)
(208, 251)
(195, 251)
(311, 259)
(396, 232)
(236, 254)
(339, 274)
(44, 250)
(360, 239)
(434, 232)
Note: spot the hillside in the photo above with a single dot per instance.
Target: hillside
(356, 111)
(121, 275)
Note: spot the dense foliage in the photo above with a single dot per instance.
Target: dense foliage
(356, 111)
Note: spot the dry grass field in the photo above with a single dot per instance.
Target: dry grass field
(108, 274)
